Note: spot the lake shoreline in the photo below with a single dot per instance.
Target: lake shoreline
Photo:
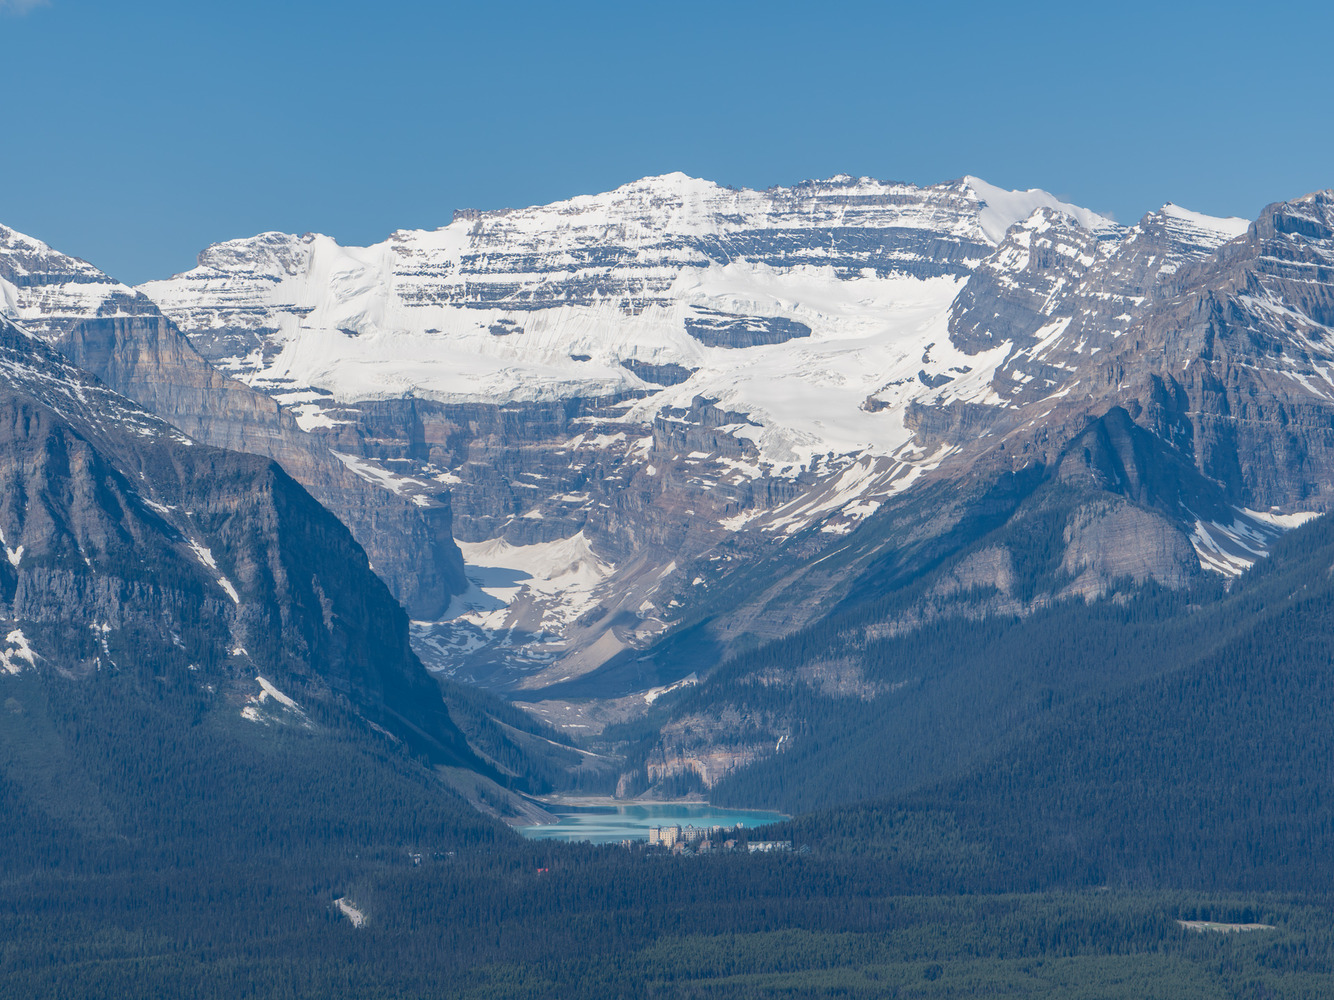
(594, 801)
(601, 819)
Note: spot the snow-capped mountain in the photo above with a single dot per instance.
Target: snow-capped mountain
(123, 339)
(677, 401)
(663, 282)
(633, 395)
(624, 375)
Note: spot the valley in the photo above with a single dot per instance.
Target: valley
(686, 502)
(601, 448)
(936, 530)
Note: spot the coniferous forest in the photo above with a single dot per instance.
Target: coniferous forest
(1169, 762)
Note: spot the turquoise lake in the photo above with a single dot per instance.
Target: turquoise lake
(612, 823)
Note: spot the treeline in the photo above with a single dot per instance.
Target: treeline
(158, 777)
(1159, 739)
(160, 846)
(600, 924)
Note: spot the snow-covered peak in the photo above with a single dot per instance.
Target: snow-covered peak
(1164, 241)
(22, 255)
(678, 205)
(278, 254)
(1000, 209)
(47, 292)
(1203, 228)
(826, 291)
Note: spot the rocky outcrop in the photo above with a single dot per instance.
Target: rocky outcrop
(668, 374)
(714, 328)
(991, 568)
(1247, 345)
(709, 747)
(1108, 541)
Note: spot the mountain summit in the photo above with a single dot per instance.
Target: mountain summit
(661, 411)
(631, 395)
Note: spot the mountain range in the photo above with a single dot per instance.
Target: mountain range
(674, 422)
(979, 532)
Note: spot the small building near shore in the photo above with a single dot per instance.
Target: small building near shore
(768, 846)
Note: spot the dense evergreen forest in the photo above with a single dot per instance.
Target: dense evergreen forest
(1213, 689)
(1130, 763)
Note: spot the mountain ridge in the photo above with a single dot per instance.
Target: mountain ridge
(638, 404)
(674, 367)
(120, 336)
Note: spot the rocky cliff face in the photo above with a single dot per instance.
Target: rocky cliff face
(675, 421)
(1214, 338)
(660, 373)
(122, 338)
(1166, 395)
(676, 410)
(131, 548)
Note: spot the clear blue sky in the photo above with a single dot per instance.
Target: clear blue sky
(136, 132)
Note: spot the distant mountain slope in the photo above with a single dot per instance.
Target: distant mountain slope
(1158, 740)
(129, 546)
(122, 338)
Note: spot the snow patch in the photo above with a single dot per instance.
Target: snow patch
(253, 711)
(21, 651)
(520, 598)
(653, 694)
(1231, 549)
(205, 557)
(357, 918)
(373, 473)
(276, 695)
(13, 555)
(563, 576)
(1001, 209)
(1284, 521)
(1223, 229)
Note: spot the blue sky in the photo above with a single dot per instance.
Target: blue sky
(136, 132)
